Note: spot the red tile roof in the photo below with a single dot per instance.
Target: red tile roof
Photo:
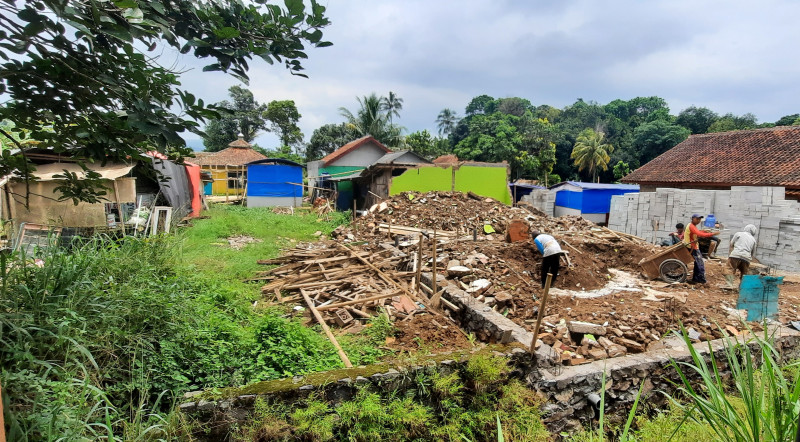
(760, 157)
(240, 142)
(232, 156)
(351, 146)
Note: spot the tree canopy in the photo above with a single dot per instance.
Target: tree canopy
(283, 117)
(591, 152)
(86, 70)
(374, 118)
(242, 114)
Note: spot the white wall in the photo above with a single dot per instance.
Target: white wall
(363, 156)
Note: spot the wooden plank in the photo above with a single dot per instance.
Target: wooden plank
(357, 301)
(435, 278)
(327, 330)
(570, 246)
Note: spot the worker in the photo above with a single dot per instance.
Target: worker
(743, 245)
(690, 238)
(713, 242)
(551, 251)
(674, 237)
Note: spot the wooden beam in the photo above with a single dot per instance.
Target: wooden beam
(327, 330)
(542, 306)
(357, 301)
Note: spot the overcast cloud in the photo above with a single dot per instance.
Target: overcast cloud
(730, 56)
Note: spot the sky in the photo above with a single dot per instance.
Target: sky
(730, 56)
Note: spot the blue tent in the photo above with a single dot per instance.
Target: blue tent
(589, 200)
(274, 182)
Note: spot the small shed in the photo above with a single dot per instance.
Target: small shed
(589, 200)
(274, 182)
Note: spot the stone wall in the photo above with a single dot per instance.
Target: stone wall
(652, 215)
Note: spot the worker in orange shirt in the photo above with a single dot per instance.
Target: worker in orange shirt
(690, 237)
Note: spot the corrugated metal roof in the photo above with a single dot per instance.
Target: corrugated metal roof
(111, 171)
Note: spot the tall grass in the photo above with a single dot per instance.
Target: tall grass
(100, 341)
(756, 399)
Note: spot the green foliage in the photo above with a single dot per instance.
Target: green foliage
(103, 97)
(446, 411)
(765, 399)
(423, 143)
(392, 105)
(484, 371)
(372, 118)
(446, 121)
(697, 119)
(621, 169)
(729, 122)
(654, 138)
(591, 153)
(101, 340)
(242, 114)
(788, 120)
(328, 138)
(283, 116)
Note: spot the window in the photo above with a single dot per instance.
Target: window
(237, 180)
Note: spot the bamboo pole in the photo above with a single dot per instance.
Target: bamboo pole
(541, 312)
(326, 329)
(389, 280)
(434, 282)
(419, 263)
(356, 301)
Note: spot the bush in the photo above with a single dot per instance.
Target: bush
(101, 340)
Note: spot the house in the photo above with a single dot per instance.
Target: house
(228, 167)
(591, 201)
(761, 157)
(522, 188)
(375, 181)
(348, 160)
(274, 182)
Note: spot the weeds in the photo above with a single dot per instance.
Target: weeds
(102, 340)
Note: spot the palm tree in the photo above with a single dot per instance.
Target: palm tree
(392, 105)
(591, 153)
(370, 119)
(446, 121)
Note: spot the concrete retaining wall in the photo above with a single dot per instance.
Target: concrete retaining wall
(652, 215)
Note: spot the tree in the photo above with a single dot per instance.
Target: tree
(423, 143)
(81, 68)
(788, 120)
(326, 139)
(591, 153)
(621, 169)
(242, 114)
(446, 121)
(392, 105)
(283, 116)
(482, 104)
(371, 119)
(514, 106)
(729, 122)
(697, 119)
(652, 139)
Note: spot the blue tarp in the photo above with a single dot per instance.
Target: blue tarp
(593, 198)
(273, 180)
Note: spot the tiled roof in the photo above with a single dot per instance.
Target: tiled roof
(760, 157)
(349, 147)
(232, 156)
(240, 142)
(446, 159)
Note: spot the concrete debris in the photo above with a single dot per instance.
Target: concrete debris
(586, 328)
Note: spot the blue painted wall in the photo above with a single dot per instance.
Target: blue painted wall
(272, 180)
(589, 200)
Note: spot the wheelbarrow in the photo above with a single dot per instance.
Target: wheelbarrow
(671, 265)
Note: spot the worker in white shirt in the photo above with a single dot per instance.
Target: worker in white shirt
(551, 251)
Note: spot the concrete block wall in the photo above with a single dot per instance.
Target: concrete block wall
(652, 215)
(542, 199)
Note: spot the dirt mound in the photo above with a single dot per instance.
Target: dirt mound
(421, 332)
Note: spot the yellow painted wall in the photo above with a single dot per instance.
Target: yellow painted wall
(220, 184)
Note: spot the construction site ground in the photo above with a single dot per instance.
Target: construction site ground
(601, 285)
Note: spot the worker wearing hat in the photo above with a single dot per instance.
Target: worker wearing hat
(691, 237)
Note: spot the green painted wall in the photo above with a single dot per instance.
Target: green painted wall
(424, 179)
(485, 181)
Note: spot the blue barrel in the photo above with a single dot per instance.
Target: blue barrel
(759, 296)
(710, 221)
